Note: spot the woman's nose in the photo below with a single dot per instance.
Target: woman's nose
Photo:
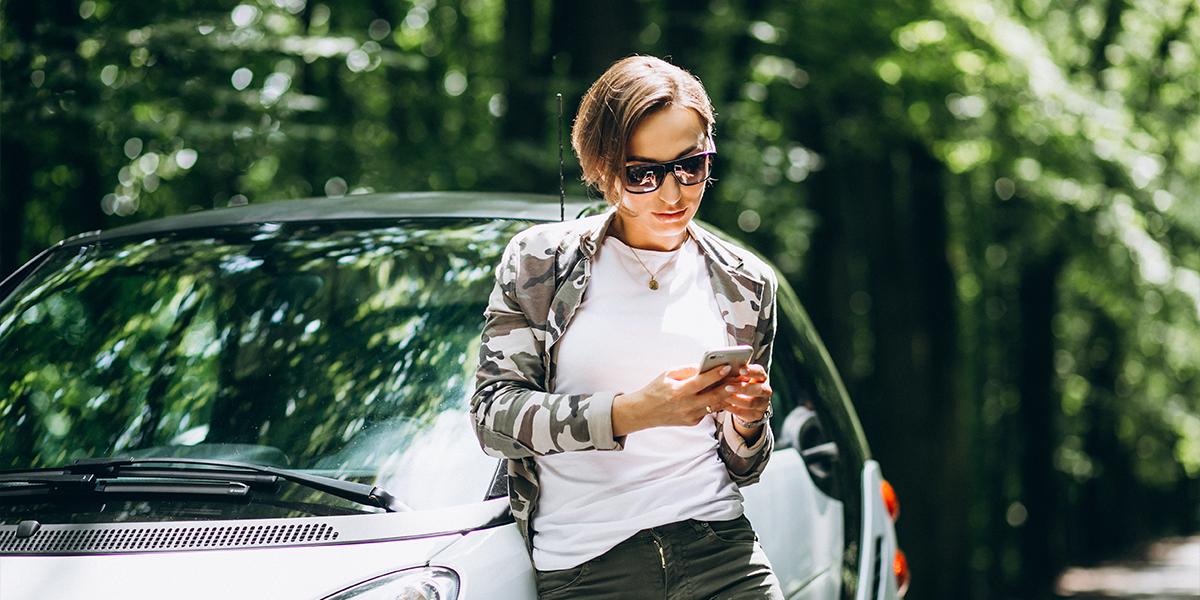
(670, 191)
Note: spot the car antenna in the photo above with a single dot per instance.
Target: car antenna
(562, 195)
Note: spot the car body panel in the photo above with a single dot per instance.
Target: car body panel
(493, 564)
(876, 579)
(308, 572)
(786, 498)
(519, 207)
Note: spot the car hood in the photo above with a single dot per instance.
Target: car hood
(282, 566)
(300, 573)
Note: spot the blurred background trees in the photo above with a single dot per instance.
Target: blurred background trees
(989, 207)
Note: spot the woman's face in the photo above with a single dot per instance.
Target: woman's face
(658, 220)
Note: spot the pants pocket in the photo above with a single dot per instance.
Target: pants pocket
(735, 531)
(552, 583)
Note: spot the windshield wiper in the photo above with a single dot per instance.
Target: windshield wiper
(58, 483)
(349, 490)
(232, 479)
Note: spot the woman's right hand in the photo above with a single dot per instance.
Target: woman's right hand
(679, 397)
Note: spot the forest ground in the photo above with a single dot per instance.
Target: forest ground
(1167, 569)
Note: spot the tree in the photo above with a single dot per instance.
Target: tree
(1072, 130)
(987, 207)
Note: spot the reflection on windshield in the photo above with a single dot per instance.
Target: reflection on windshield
(350, 352)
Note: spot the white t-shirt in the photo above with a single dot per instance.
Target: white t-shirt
(624, 335)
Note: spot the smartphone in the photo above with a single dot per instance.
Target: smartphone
(734, 356)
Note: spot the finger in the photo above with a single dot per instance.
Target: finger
(715, 399)
(756, 390)
(745, 414)
(752, 397)
(750, 403)
(748, 389)
(707, 402)
(710, 377)
(753, 372)
(681, 373)
(747, 403)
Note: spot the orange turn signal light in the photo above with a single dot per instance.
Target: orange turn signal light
(903, 575)
(889, 500)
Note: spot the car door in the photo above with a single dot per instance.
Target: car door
(807, 503)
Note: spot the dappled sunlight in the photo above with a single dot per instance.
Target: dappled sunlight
(255, 336)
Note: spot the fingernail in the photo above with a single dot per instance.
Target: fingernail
(730, 388)
(725, 369)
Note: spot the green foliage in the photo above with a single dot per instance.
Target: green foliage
(913, 167)
(1093, 128)
(1075, 127)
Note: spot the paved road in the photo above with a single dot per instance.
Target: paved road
(1170, 570)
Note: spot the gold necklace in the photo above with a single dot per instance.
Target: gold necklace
(653, 281)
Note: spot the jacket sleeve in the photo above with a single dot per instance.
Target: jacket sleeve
(513, 414)
(746, 463)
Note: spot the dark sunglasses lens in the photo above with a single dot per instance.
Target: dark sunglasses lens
(643, 178)
(693, 169)
(690, 170)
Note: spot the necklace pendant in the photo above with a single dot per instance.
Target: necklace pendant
(653, 284)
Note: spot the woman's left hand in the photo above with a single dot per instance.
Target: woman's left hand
(750, 396)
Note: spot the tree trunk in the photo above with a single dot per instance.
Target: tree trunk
(15, 192)
(1039, 537)
(524, 119)
(916, 418)
(882, 228)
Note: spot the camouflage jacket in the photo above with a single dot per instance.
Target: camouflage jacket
(540, 282)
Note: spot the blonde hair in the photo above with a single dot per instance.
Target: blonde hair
(630, 90)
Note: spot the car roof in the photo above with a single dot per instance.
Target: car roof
(399, 205)
(487, 205)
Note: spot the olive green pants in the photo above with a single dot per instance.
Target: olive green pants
(688, 560)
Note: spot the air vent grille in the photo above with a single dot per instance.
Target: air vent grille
(115, 539)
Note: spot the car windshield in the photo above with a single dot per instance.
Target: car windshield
(342, 349)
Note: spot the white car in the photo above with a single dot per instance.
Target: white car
(270, 401)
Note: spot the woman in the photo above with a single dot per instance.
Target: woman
(624, 461)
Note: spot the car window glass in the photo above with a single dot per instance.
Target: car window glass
(345, 350)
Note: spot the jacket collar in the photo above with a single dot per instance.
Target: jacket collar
(591, 239)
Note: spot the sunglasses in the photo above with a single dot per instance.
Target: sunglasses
(689, 170)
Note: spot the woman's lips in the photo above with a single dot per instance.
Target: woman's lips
(672, 216)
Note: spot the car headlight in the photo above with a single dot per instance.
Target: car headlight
(428, 583)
